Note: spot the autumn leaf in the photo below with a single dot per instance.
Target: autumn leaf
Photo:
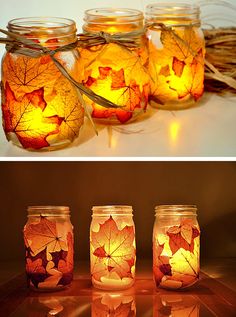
(182, 236)
(178, 66)
(112, 250)
(191, 81)
(161, 265)
(43, 234)
(25, 74)
(165, 71)
(66, 104)
(119, 75)
(26, 118)
(181, 43)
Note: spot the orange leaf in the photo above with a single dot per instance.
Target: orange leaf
(118, 79)
(178, 66)
(43, 234)
(26, 118)
(182, 237)
(165, 71)
(112, 250)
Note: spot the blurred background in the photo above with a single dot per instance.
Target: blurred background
(80, 185)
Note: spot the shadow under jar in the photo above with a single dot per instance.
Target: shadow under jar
(176, 246)
(112, 247)
(176, 55)
(41, 109)
(114, 71)
(49, 246)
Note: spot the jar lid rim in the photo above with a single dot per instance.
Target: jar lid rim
(124, 12)
(176, 208)
(49, 210)
(56, 22)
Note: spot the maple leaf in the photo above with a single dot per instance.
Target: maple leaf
(44, 235)
(182, 236)
(26, 118)
(161, 265)
(26, 74)
(66, 104)
(181, 43)
(66, 264)
(191, 81)
(119, 75)
(178, 66)
(112, 250)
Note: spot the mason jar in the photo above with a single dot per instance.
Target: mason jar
(49, 246)
(112, 70)
(112, 247)
(176, 246)
(41, 109)
(176, 55)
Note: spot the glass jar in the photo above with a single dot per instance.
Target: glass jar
(176, 246)
(49, 245)
(115, 71)
(112, 247)
(41, 109)
(176, 54)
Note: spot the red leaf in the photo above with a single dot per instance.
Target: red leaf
(118, 79)
(104, 72)
(178, 238)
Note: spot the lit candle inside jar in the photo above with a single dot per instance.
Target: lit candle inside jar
(112, 247)
(176, 55)
(176, 247)
(41, 108)
(114, 71)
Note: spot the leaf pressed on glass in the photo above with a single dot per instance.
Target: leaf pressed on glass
(113, 250)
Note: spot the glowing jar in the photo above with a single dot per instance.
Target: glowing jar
(112, 247)
(176, 55)
(115, 71)
(49, 240)
(41, 108)
(176, 246)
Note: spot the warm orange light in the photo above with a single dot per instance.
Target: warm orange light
(113, 305)
(112, 251)
(176, 66)
(174, 129)
(41, 109)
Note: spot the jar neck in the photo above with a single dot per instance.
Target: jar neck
(176, 210)
(112, 20)
(48, 211)
(47, 31)
(114, 210)
(173, 14)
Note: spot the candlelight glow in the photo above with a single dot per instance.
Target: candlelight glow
(41, 108)
(114, 71)
(176, 305)
(49, 252)
(176, 255)
(174, 131)
(113, 305)
(176, 66)
(112, 252)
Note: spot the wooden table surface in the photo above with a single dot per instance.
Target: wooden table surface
(214, 295)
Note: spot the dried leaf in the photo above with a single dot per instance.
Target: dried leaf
(112, 250)
(181, 43)
(43, 234)
(26, 118)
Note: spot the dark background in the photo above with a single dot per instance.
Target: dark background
(80, 185)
